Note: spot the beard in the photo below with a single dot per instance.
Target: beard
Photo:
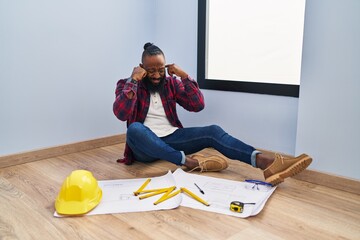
(154, 87)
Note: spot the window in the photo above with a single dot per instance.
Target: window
(250, 45)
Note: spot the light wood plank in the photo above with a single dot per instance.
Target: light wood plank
(324, 179)
(297, 210)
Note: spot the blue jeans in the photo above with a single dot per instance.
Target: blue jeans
(147, 147)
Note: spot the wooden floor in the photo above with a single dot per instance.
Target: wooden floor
(296, 210)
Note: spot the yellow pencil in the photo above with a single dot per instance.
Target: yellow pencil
(142, 186)
(168, 197)
(149, 190)
(165, 196)
(153, 194)
(193, 195)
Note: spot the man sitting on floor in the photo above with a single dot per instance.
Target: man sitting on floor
(147, 101)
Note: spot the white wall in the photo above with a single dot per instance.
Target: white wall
(59, 63)
(329, 111)
(65, 70)
(264, 121)
(329, 119)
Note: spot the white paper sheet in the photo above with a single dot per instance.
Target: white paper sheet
(219, 193)
(118, 195)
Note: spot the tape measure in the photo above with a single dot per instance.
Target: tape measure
(237, 206)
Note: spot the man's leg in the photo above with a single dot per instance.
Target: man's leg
(276, 169)
(147, 147)
(194, 139)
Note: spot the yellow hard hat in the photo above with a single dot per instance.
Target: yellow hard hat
(79, 194)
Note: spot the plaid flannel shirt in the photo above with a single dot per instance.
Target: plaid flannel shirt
(185, 92)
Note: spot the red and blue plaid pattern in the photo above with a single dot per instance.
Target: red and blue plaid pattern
(185, 92)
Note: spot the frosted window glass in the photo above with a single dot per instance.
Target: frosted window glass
(255, 40)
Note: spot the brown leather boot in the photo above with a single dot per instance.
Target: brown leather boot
(212, 163)
(283, 168)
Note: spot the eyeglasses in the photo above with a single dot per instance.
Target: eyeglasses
(258, 185)
(152, 71)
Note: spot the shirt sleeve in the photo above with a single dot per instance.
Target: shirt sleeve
(189, 95)
(123, 105)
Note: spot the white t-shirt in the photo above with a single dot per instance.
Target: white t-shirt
(156, 118)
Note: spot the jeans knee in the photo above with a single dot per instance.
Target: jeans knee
(215, 129)
(135, 129)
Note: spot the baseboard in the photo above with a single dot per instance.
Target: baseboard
(311, 176)
(330, 180)
(325, 179)
(35, 155)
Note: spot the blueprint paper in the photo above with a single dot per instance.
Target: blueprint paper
(118, 195)
(219, 193)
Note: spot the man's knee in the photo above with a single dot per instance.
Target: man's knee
(215, 129)
(135, 128)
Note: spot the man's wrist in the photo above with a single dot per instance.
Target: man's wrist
(131, 80)
(184, 76)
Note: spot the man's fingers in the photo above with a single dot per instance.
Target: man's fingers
(170, 68)
(170, 72)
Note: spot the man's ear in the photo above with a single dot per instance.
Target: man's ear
(141, 65)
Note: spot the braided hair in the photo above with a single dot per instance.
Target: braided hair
(150, 50)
